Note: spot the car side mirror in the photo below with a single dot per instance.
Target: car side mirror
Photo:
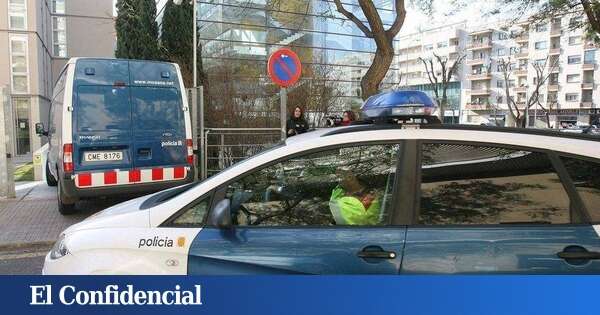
(39, 129)
(220, 216)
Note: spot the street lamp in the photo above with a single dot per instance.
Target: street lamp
(194, 41)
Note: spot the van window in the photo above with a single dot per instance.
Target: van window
(102, 108)
(157, 109)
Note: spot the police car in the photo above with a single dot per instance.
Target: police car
(365, 199)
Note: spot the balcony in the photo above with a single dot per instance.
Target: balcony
(473, 62)
(520, 72)
(520, 89)
(588, 65)
(477, 106)
(554, 51)
(479, 76)
(587, 86)
(522, 38)
(482, 32)
(522, 55)
(555, 31)
(484, 91)
(553, 87)
(478, 45)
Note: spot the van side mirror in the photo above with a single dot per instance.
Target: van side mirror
(220, 216)
(39, 129)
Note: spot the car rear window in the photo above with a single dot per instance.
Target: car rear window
(157, 109)
(586, 177)
(102, 108)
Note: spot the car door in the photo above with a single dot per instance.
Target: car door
(496, 209)
(303, 215)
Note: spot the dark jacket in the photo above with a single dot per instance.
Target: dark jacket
(297, 125)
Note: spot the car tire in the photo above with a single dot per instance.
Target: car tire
(50, 180)
(65, 206)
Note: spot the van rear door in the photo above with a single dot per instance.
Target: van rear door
(102, 116)
(158, 118)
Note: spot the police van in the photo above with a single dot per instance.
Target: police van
(117, 126)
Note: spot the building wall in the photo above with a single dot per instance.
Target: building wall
(89, 31)
(237, 39)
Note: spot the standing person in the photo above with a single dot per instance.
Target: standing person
(348, 118)
(296, 124)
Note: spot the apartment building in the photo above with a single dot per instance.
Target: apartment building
(447, 42)
(36, 39)
(568, 94)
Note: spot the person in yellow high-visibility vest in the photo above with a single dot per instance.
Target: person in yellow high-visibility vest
(351, 203)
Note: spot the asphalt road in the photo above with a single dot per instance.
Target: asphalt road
(23, 261)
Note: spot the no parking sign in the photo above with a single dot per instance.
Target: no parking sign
(284, 67)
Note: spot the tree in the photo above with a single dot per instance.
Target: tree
(384, 53)
(137, 31)
(519, 109)
(440, 80)
(177, 37)
(546, 10)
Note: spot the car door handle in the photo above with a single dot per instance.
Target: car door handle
(579, 255)
(376, 254)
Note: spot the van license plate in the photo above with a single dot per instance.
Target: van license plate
(103, 156)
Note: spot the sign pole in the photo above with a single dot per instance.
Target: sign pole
(283, 109)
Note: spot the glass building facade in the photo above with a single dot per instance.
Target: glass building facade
(237, 37)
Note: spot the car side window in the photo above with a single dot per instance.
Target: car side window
(481, 184)
(343, 186)
(586, 177)
(194, 216)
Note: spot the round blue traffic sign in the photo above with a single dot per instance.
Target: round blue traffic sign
(284, 67)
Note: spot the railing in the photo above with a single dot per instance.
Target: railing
(223, 147)
(479, 44)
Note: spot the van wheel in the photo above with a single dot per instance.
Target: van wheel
(65, 206)
(50, 180)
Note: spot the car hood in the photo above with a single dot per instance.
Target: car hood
(126, 214)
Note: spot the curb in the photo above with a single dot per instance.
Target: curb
(15, 246)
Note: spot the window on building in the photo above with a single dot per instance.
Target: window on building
(442, 44)
(589, 57)
(574, 40)
(500, 84)
(541, 28)
(511, 83)
(572, 60)
(575, 22)
(499, 100)
(501, 52)
(477, 184)
(502, 35)
(428, 47)
(18, 60)
(360, 177)
(573, 78)
(572, 97)
(59, 36)
(58, 6)
(17, 14)
(541, 45)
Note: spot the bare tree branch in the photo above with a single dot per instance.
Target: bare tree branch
(350, 16)
(399, 21)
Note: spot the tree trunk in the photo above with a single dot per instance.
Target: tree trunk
(384, 55)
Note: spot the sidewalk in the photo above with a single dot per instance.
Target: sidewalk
(33, 217)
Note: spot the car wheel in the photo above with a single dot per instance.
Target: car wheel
(50, 180)
(65, 206)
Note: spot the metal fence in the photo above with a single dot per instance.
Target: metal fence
(224, 147)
